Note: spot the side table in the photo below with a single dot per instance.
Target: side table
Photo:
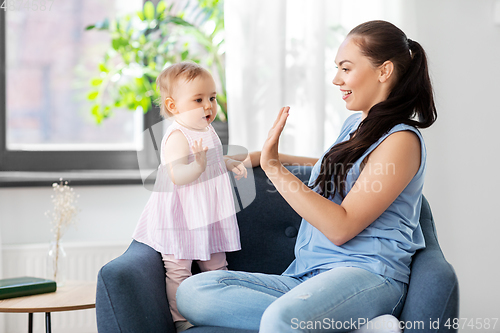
(74, 295)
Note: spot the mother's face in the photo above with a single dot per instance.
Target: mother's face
(361, 83)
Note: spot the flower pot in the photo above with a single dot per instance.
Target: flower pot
(57, 263)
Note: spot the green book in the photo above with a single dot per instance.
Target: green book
(25, 286)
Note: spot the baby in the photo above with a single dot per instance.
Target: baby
(190, 215)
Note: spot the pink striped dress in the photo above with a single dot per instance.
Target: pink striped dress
(191, 221)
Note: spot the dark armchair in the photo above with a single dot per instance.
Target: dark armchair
(131, 294)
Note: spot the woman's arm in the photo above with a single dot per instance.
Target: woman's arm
(370, 196)
(297, 160)
(253, 159)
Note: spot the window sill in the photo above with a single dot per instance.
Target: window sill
(85, 177)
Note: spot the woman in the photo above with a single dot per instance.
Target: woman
(360, 211)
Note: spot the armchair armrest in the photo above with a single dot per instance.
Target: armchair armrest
(131, 293)
(433, 293)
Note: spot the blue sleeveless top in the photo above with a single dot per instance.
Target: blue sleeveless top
(386, 246)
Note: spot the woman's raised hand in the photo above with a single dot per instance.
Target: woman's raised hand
(269, 157)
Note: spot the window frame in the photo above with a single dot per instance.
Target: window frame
(66, 160)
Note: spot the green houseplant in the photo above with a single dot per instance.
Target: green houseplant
(145, 42)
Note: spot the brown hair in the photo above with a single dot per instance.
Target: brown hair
(168, 78)
(410, 101)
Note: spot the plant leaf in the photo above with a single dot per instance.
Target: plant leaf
(145, 104)
(184, 55)
(92, 95)
(103, 68)
(117, 43)
(161, 7)
(95, 82)
(97, 115)
(106, 112)
(149, 10)
(178, 21)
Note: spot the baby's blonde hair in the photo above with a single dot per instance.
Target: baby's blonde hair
(170, 76)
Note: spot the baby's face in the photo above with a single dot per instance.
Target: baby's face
(196, 102)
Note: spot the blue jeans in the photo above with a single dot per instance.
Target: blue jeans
(331, 300)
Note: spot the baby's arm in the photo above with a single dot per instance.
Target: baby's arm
(176, 152)
(236, 166)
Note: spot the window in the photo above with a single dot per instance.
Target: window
(45, 118)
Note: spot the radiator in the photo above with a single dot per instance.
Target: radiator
(84, 261)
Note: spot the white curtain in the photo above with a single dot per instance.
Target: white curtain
(281, 52)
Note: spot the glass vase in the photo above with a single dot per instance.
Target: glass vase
(57, 263)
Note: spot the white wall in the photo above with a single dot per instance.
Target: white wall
(108, 213)
(463, 46)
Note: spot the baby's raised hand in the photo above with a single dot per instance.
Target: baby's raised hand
(200, 154)
(237, 167)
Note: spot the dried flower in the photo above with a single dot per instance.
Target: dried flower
(63, 215)
(65, 210)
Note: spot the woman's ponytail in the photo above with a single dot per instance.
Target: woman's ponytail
(421, 84)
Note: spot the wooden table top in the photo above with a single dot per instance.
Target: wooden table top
(74, 295)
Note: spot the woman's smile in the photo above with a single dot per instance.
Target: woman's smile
(346, 94)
